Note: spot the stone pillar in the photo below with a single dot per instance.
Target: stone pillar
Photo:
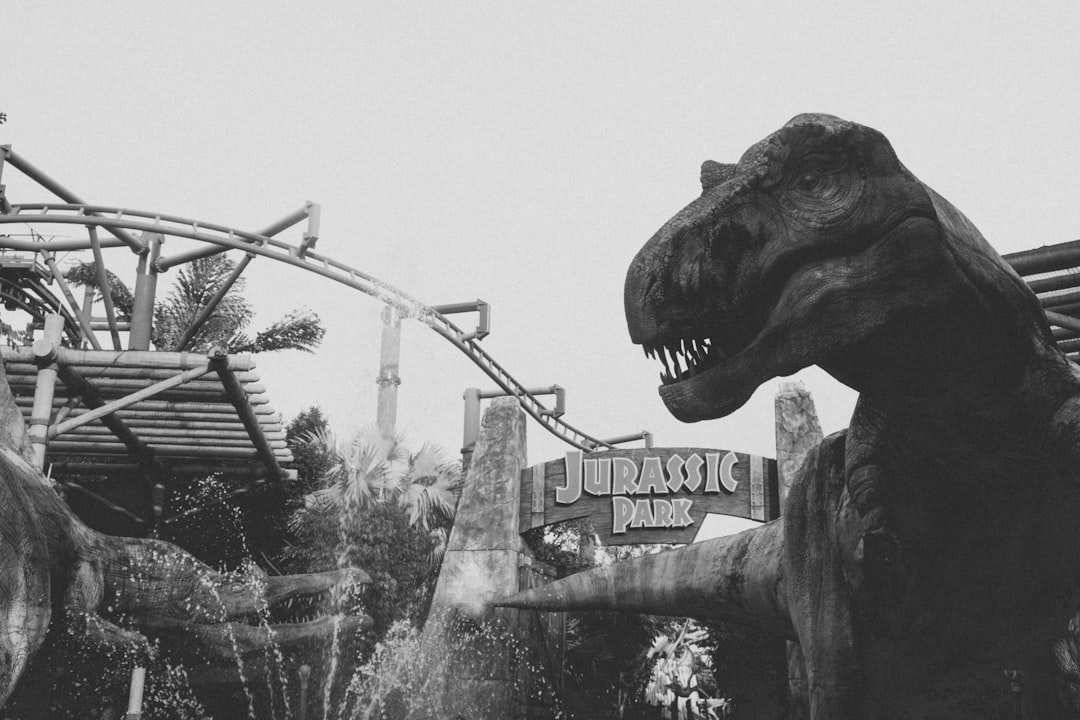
(797, 432)
(482, 562)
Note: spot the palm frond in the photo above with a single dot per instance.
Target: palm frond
(298, 330)
(84, 274)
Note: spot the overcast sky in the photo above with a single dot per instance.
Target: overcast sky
(520, 153)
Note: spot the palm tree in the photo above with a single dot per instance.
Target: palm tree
(372, 468)
(196, 284)
(379, 507)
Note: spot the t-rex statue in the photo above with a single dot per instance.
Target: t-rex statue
(57, 575)
(941, 530)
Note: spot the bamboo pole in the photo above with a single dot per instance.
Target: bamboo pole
(172, 409)
(67, 196)
(140, 424)
(242, 402)
(130, 358)
(111, 407)
(1064, 321)
(121, 386)
(239, 433)
(247, 470)
(124, 373)
(196, 451)
(135, 447)
(161, 440)
(44, 392)
(1046, 259)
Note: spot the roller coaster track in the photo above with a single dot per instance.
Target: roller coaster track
(119, 220)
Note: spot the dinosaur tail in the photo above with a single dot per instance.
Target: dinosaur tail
(728, 578)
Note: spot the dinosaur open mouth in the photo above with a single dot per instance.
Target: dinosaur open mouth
(683, 358)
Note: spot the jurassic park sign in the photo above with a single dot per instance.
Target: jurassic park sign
(653, 495)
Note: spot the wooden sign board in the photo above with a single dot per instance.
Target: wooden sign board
(651, 495)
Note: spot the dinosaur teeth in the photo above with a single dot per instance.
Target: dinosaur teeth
(685, 357)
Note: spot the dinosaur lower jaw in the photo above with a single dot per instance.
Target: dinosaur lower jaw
(723, 387)
(225, 642)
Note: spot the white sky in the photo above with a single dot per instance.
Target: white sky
(520, 153)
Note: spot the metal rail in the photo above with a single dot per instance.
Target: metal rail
(113, 219)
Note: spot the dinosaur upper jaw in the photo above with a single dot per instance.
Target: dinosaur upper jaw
(818, 311)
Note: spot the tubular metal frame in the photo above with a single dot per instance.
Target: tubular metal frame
(118, 220)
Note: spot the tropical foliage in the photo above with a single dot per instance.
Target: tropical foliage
(196, 283)
(380, 507)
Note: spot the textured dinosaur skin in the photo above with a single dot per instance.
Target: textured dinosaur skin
(57, 575)
(938, 533)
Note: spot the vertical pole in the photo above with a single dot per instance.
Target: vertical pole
(135, 694)
(142, 311)
(472, 427)
(88, 303)
(305, 679)
(4, 207)
(103, 286)
(388, 380)
(45, 353)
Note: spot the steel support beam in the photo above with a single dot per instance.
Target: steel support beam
(103, 288)
(162, 264)
(27, 169)
(142, 311)
(82, 317)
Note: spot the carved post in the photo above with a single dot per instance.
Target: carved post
(797, 432)
(482, 562)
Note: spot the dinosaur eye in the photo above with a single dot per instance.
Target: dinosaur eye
(809, 178)
(820, 185)
(812, 173)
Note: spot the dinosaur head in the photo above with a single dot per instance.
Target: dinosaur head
(810, 249)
